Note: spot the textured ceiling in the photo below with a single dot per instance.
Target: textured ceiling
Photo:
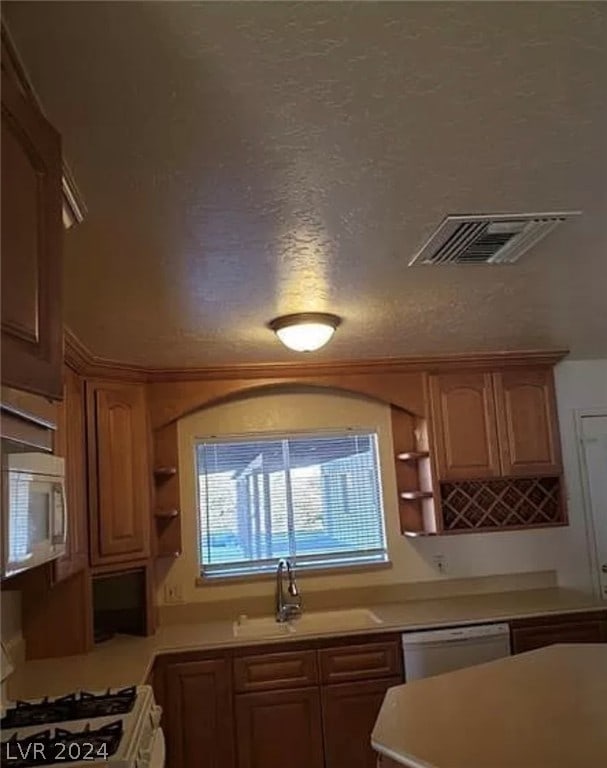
(244, 160)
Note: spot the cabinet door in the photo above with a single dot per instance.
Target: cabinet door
(465, 431)
(279, 728)
(70, 443)
(32, 331)
(198, 714)
(349, 712)
(527, 422)
(119, 476)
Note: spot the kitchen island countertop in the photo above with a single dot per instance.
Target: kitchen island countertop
(542, 709)
(126, 660)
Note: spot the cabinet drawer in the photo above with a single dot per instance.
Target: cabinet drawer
(271, 671)
(530, 638)
(360, 662)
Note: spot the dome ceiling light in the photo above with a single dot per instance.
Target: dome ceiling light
(305, 331)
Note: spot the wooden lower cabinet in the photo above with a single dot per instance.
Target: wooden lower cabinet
(349, 712)
(529, 634)
(279, 728)
(275, 706)
(198, 714)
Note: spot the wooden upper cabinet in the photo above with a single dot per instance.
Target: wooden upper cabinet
(527, 422)
(198, 714)
(465, 433)
(70, 443)
(32, 330)
(119, 474)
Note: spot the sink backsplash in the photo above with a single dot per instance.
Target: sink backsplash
(186, 613)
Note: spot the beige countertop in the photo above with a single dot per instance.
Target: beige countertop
(127, 660)
(542, 709)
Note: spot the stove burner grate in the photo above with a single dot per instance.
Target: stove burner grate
(75, 706)
(62, 746)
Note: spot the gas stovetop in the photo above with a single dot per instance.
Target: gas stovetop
(60, 745)
(75, 706)
(115, 728)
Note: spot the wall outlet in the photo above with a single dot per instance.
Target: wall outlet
(440, 563)
(173, 593)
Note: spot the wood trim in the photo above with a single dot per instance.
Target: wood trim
(76, 354)
(21, 431)
(413, 364)
(175, 393)
(33, 408)
(79, 356)
(13, 66)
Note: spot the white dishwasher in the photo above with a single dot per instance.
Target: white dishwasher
(444, 650)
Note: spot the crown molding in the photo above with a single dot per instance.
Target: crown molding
(413, 364)
(82, 360)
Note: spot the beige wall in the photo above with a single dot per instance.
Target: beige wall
(466, 556)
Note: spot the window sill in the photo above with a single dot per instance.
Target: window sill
(300, 573)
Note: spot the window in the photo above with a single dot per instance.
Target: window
(313, 498)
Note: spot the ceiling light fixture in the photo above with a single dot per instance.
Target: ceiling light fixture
(305, 331)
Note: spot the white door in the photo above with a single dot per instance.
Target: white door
(594, 447)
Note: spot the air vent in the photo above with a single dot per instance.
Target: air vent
(488, 239)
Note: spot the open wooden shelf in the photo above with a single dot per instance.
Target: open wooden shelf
(418, 534)
(163, 473)
(166, 514)
(415, 495)
(413, 455)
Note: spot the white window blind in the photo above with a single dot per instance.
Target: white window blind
(314, 498)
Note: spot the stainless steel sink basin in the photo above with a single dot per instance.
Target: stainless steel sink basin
(307, 623)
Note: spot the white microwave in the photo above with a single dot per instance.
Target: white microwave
(34, 515)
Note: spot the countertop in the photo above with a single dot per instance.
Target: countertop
(541, 709)
(127, 660)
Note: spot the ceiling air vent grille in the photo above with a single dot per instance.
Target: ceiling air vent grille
(488, 239)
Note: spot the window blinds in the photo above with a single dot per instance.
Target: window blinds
(315, 499)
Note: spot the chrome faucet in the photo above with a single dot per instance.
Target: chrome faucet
(287, 606)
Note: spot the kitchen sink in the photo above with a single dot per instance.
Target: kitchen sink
(307, 623)
(264, 626)
(335, 621)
